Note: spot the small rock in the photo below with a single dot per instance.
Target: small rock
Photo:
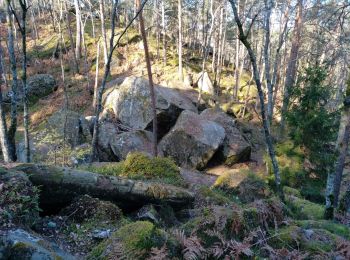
(309, 233)
(148, 212)
(101, 234)
(51, 224)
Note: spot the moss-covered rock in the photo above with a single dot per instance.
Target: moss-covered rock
(312, 241)
(331, 226)
(288, 191)
(212, 196)
(140, 166)
(243, 183)
(21, 244)
(304, 209)
(133, 240)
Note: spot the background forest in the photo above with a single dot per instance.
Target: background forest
(174, 129)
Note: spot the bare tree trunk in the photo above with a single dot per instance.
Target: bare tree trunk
(11, 49)
(71, 41)
(277, 65)
(292, 64)
(237, 76)
(96, 75)
(149, 71)
(22, 27)
(103, 30)
(5, 148)
(269, 144)
(179, 7)
(78, 30)
(164, 33)
(268, 9)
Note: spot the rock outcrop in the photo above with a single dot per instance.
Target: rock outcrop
(21, 244)
(133, 141)
(130, 103)
(234, 147)
(192, 141)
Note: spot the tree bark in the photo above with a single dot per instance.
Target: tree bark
(59, 186)
(179, 7)
(292, 63)
(268, 9)
(334, 178)
(78, 30)
(164, 33)
(11, 49)
(103, 30)
(243, 38)
(96, 75)
(150, 79)
(5, 148)
(71, 41)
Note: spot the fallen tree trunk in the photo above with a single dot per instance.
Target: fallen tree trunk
(59, 186)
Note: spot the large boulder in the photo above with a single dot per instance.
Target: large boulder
(106, 133)
(192, 141)
(204, 83)
(40, 85)
(130, 103)
(234, 148)
(137, 140)
(70, 125)
(20, 244)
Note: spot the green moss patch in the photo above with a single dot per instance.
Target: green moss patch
(243, 183)
(133, 240)
(139, 166)
(304, 209)
(331, 226)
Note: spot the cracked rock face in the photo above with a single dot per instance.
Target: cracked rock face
(192, 141)
(130, 103)
(234, 148)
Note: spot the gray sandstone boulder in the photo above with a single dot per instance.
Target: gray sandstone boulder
(192, 141)
(234, 148)
(130, 103)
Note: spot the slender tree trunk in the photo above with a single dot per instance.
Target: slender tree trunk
(179, 7)
(268, 9)
(11, 49)
(292, 64)
(277, 66)
(96, 75)
(164, 33)
(103, 30)
(237, 76)
(71, 41)
(24, 80)
(269, 144)
(5, 148)
(149, 71)
(78, 30)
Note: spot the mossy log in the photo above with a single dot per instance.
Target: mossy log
(59, 186)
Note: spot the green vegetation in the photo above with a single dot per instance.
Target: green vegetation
(19, 199)
(304, 209)
(132, 240)
(139, 166)
(245, 184)
(311, 123)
